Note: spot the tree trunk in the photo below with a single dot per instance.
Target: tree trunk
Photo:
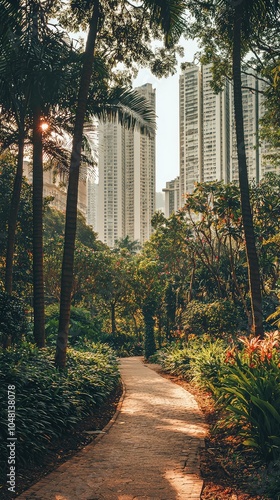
(72, 194)
(12, 222)
(149, 340)
(38, 275)
(250, 244)
(113, 318)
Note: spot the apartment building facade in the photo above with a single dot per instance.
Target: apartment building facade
(172, 196)
(190, 116)
(126, 181)
(208, 149)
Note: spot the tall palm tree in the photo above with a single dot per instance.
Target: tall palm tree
(227, 29)
(248, 17)
(34, 61)
(14, 100)
(169, 16)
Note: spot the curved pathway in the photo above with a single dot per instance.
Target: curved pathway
(151, 452)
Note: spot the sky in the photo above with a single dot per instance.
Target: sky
(167, 110)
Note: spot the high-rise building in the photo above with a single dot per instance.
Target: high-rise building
(55, 187)
(215, 129)
(208, 149)
(190, 102)
(250, 100)
(204, 129)
(172, 197)
(126, 186)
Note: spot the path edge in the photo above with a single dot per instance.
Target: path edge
(111, 422)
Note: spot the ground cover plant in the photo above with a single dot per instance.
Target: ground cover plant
(243, 380)
(49, 402)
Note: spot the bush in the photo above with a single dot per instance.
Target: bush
(207, 364)
(13, 322)
(244, 380)
(123, 344)
(174, 359)
(200, 360)
(83, 326)
(49, 402)
(250, 393)
(215, 318)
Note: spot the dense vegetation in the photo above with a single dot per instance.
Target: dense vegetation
(48, 402)
(187, 285)
(243, 378)
(207, 280)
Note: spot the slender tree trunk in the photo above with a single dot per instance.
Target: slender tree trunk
(251, 252)
(72, 194)
(190, 291)
(38, 275)
(159, 330)
(12, 222)
(113, 318)
(149, 339)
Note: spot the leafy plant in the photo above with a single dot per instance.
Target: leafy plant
(175, 359)
(215, 318)
(207, 364)
(123, 344)
(83, 326)
(13, 322)
(48, 402)
(250, 393)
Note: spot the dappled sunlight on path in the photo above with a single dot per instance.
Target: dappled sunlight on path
(151, 452)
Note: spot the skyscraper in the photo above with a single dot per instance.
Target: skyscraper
(215, 129)
(251, 109)
(126, 187)
(208, 150)
(204, 129)
(172, 197)
(190, 102)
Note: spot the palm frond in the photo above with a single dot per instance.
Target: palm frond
(129, 107)
(170, 15)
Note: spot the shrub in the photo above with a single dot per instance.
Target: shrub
(175, 359)
(49, 402)
(13, 322)
(123, 344)
(250, 393)
(214, 318)
(83, 326)
(207, 364)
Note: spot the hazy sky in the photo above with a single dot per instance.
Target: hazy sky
(167, 108)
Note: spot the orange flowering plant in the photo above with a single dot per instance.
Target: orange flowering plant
(256, 350)
(250, 392)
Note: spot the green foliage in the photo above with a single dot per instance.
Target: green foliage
(252, 398)
(244, 380)
(175, 359)
(250, 392)
(207, 364)
(13, 321)
(54, 222)
(123, 344)
(22, 270)
(149, 336)
(48, 402)
(83, 326)
(199, 360)
(216, 318)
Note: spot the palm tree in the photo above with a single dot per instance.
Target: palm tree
(14, 99)
(228, 29)
(169, 16)
(35, 63)
(131, 246)
(249, 16)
